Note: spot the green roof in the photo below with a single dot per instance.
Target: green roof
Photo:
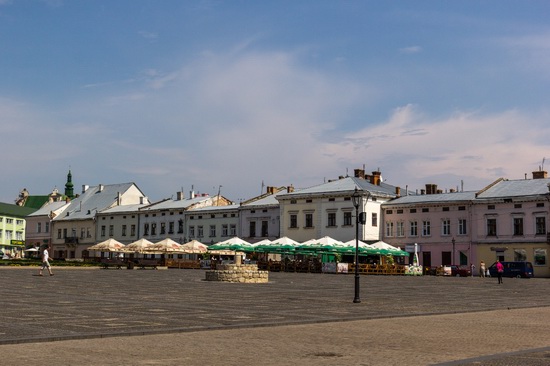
(7, 209)
(36, 201)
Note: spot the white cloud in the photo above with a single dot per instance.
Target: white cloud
(414, 148)
(410, 50)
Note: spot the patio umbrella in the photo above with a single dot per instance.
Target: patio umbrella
(194, 247)
(164, 246)
(109, 245)
(234, 244)
(31, 250)
(138, 246)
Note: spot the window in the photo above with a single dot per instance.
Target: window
(162, 228)
(154, 228)
(180, 226)
(102, 230)
(399, 212)
(374, 219)
(9, 221)
(462, 229)
(491, 227)
(347, 218)
(18, 222)
(518, 225)
(401, 229)
(490, 207)
(1, 233)
(389, 228)
(123, 230)
(425, 210)
(540, 256)
(39, 227)
(413, 210)
(518, 205)
(58, 233)
(191, 231)
(309, 220)
(293, 221)
(233, 230)
(133, 230)
(389, 212)
(171, 227)
(414, 228)
(264, 229)
(200, 231)
(47, 227)
(446, 227)
(445, 209)
(540, 204)
(64, 233)
(8, 235)
(82, 233)
(224, 230)
(540, 223)
(331, 219)
(520, 255)
(426, 230)
(111, 230)
(212, 231)
(252, 226)
(145, 229)
(18, 235)
(461, 208)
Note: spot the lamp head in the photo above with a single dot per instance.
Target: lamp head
(355, 197)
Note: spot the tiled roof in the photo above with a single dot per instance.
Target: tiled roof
(36, 201)
(516, 188)
(175, 204)
(346, 185)
(7, 209)
(215, 208)
(93, 200)
(268, 200)
(433, 198)
(124, 208)
(45, 210)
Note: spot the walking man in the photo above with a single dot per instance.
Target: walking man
(46, 261)
(482, 269)
(500, 271)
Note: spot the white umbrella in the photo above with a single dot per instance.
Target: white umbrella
(138, 246)
(166, 245)
(32, 250)
(109, 245)
(383, 245)
(194, 247)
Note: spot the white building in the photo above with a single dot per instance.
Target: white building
(327, 209)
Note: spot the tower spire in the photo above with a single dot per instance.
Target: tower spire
(69, 191)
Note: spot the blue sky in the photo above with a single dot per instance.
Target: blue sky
(173, 94)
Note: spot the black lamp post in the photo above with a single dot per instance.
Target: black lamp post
(356, 198)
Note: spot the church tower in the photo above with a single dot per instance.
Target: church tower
(69, 192)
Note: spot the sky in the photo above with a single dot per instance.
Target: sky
(233, 96)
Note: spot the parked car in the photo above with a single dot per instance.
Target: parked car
(513, 269)
(460, 271)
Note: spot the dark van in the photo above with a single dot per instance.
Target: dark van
(513, 269)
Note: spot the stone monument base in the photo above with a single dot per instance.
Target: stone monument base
(244, 273)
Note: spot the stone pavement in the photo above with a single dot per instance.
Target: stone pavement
(174, 317)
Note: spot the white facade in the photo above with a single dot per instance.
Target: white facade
(259, 217)
(213, 224)
(328, 210)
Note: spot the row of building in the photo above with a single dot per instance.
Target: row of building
(507, 220)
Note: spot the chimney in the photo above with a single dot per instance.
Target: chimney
(118, 199)
(142, 200)
(541, 174)
(398, 191)
(192, 193)
(270, 190)
(375, 178)
(422, 191)
(67, 200)
(100, 188)
(85, 187)
(289, 189)
(359, 173)
(431, 188)
(179, 196)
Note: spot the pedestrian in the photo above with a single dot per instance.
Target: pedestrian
(482, 269)
(500, 271)
(46, 261)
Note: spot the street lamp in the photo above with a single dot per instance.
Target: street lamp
(356, 198)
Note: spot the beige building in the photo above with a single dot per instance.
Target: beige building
(74, 230)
